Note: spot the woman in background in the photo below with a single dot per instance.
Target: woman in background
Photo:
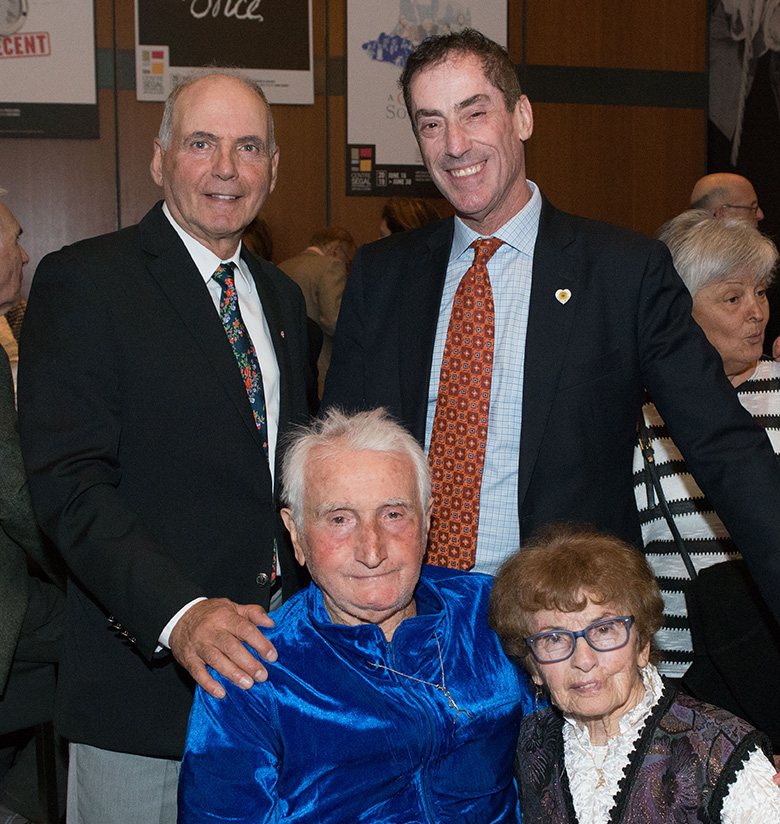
(727, 267)
(402, 213)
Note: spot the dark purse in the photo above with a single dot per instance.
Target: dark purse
(736, 640)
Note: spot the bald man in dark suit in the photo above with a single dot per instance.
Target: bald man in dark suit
(159, 368)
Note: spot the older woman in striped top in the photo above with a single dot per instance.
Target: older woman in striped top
(727, 267)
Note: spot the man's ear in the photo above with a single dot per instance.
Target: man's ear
(155, 167)
(295, 535)
(524, 118)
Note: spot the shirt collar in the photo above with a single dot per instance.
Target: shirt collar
(519, 231)
(205, 260)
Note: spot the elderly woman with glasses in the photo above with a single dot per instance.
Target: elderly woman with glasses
(618, 744)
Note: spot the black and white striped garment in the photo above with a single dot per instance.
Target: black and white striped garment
(705, 536)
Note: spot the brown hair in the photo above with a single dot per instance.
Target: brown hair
(496, 64)
(331, 234)
(562, 568)
(402, 213)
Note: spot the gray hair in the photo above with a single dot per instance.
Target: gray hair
(375, 431)
(705, 249)
(710, 201)
(166, 125)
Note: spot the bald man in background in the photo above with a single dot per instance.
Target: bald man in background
(727, 195)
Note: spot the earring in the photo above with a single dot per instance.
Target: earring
(538, 694)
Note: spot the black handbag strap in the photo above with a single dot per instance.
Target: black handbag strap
(651, 472)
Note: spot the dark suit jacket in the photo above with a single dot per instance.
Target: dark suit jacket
(626, 326)
(15, 511)
(30, 607)
(146, 467)
(19, 532)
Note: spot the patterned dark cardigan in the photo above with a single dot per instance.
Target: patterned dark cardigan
(686, 756)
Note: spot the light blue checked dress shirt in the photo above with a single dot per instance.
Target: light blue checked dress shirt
(510, 270)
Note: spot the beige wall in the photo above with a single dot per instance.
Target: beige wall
(633, 165)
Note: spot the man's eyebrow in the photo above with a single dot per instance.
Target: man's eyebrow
(327, 507)
(260, 142)
(464, 104)
(247, 138)
(470, 101)
(427, 113)
(399, 503)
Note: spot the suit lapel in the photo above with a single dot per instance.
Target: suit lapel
(179, 280)
(550, 318)
(274, 317)
(422, 285)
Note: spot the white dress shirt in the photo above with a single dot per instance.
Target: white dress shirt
(257, 327)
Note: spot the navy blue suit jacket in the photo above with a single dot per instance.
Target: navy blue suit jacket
(626, 326)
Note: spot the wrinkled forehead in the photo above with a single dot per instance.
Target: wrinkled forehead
(220, 102)
(461, 69)
(337, 471)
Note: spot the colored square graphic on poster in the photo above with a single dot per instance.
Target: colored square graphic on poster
(270, 39)
(47, 67)
(381, 34)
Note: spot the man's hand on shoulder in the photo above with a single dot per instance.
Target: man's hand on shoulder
(211, 633)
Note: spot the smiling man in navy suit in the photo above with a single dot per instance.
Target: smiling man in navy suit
(585, 316)
(150, 466)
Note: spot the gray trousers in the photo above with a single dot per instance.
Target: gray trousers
(116, 787)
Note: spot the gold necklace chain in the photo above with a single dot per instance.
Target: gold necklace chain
(615, 738)
(441, 687)
(599, 770)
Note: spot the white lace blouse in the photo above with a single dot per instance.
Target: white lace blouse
(594, 772)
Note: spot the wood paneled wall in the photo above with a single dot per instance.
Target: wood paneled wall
(613, 139)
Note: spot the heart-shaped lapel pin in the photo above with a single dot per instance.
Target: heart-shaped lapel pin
(562, 295)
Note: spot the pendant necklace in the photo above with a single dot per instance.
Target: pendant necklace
(599, 770)
(441, 687)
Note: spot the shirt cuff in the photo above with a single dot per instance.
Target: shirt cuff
(165, 635)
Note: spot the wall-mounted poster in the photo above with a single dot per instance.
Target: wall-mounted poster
(270, 39)
(47, 69)
(382, 154)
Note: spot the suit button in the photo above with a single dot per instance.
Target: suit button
(262, 579)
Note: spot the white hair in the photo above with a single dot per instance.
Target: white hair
(705, 249)
(375, 431)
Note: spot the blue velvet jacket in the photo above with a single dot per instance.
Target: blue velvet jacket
(332, 738)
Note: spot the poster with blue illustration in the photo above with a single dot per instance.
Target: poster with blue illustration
(382, 154)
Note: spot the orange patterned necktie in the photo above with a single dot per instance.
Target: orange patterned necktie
(460, 423)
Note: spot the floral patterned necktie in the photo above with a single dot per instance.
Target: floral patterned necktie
(243, 348)
(246, 357)
(460, 422)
